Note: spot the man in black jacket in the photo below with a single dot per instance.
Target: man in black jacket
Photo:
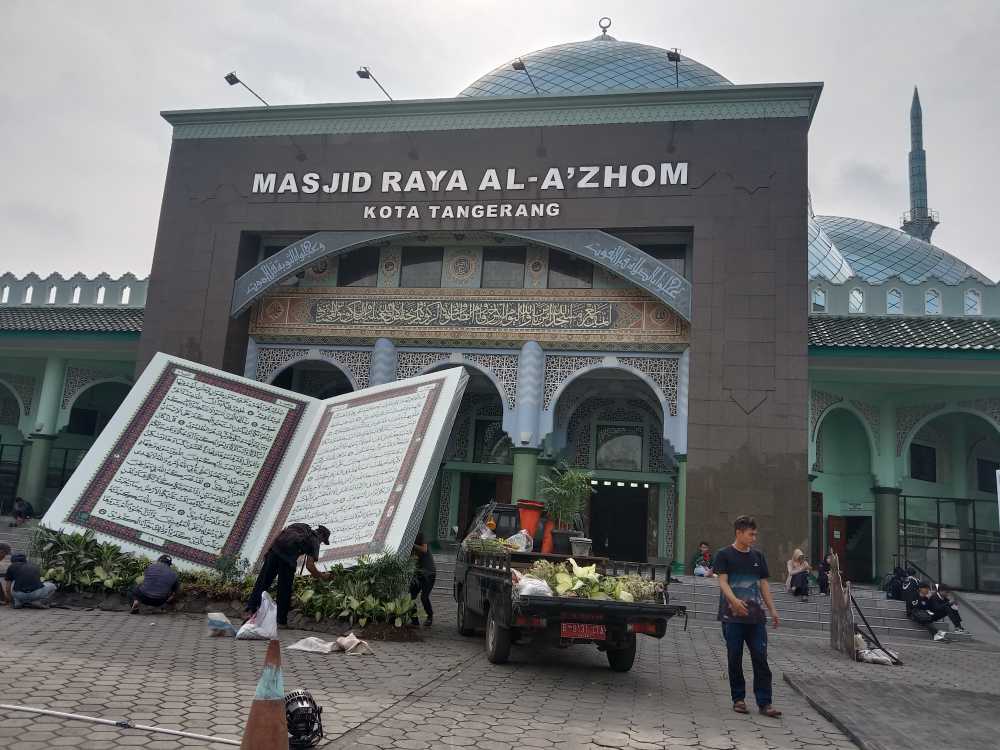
(931, 606)
(280, 561)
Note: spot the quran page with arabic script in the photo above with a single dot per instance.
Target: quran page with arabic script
(204, 465)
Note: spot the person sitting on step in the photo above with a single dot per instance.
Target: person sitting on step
(22, 512)
(159, 586)
(798, 576)
(701, 563)
(931, 606)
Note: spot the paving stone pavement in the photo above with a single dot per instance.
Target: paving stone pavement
(165, 670)
(878, 715)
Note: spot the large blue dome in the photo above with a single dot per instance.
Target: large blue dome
(595, 66)
(875, 253)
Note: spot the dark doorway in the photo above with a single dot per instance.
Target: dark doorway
(817, 550)
(618, 522)
(851, 538)
(479, 489)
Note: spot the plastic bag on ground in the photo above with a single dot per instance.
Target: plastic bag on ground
(531, 586)
(313, 645)
(353, 646)
(521, 541)
(219, 625)
(263, 624)
(877, 656)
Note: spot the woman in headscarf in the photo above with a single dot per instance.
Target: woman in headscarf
(798, 576)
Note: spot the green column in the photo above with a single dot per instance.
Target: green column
(680, 546)
(525, 474)
(662, 496)
(44, 433)
(886, 528)
(454, 498)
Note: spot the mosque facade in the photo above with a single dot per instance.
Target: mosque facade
(618, 244)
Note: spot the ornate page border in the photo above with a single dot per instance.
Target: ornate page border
(80, 513)
(377, 543)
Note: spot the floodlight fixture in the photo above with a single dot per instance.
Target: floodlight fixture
(232, 79)
(674, 56)
(518, 64)
(366, 73)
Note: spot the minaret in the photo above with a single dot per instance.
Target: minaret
(919, 221)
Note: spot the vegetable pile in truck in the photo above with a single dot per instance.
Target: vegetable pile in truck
(517, 595)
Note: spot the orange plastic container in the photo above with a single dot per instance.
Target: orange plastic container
(548, 546)
(529, 511)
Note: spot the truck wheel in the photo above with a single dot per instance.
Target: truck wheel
(497, 641)
(622, 659)
(461, 616)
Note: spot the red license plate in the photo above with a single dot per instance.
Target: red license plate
(582, 631)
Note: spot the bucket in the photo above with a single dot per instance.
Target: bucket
(547, 543)
(529, 511)
(581, 546)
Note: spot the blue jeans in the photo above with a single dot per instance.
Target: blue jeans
(22, 598)
(755, 637)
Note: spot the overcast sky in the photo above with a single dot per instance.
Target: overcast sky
(83, 150)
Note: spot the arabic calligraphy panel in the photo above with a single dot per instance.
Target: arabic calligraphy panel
(192, 467)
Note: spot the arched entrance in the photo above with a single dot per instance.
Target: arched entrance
(843, 485)
(313, 377)
(948, 506)
(478, 461)
(89, 414)
(11, 447)
(610, 422)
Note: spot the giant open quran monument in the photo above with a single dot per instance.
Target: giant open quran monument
(201, 464)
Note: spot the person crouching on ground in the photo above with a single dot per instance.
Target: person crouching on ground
(159, 586)
(743, 594)
(279, 562)
(4, 564)
(798, 576)
(423, 579)
(23, 584)
(701, 563)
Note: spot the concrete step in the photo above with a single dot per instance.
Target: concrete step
(19, 538)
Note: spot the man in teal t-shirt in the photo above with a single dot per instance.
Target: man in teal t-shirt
(743, 596)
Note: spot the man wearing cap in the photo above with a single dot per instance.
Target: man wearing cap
(292, 543)
(159, 585)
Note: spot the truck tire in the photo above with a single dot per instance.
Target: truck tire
(461, 617)
(622, 659)
(497, 640)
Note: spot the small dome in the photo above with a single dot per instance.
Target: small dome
(875, 253)
(595, 66)
(825, 260)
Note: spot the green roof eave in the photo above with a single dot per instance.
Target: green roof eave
(759, 101)
(902, 352)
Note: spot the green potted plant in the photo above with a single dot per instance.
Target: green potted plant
(565, 493)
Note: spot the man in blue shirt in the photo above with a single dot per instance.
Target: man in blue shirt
(743, 595)
(159, 585)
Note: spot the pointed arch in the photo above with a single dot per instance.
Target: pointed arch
(873, 447)
(600, 248)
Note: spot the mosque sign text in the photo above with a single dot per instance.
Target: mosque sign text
(201, 464)
(453, 181)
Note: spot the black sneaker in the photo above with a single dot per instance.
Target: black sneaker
(428, 622)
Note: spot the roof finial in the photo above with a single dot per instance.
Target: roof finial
(604, 24)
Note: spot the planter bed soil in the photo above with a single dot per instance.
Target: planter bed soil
(199, 605)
